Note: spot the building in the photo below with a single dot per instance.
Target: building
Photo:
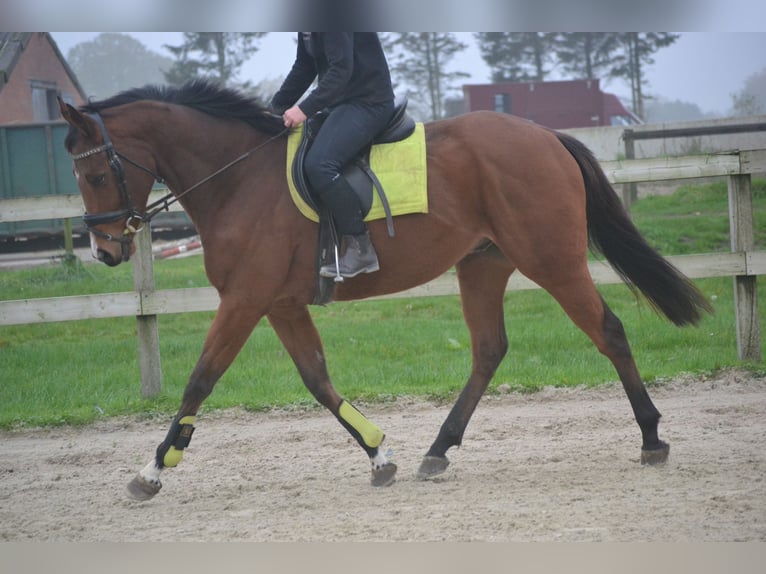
(557, 105)
(32, 73)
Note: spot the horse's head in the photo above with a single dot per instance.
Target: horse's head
(114, 188)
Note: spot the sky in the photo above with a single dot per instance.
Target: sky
(703, 68)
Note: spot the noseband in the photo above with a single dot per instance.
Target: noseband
(134, 219)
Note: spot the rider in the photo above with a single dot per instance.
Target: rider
(354, 86)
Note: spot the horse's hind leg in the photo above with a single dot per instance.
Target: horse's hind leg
(581, 301)
(299, 336)
(648, 417)
(483, 277)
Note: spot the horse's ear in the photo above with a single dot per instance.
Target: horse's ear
(84, 124)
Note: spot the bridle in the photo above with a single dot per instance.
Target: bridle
(135, 220)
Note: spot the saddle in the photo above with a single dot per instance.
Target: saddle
(360, 177)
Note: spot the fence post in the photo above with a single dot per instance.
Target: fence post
(148, 333)
(745, 286)
(629, 190)
(69, 256)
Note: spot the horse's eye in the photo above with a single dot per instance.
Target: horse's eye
(98, 180)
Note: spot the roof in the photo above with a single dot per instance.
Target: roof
(13, 44)
(613, 107)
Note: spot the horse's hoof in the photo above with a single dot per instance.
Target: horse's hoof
(384, 476)
(432, 466)
(655, 456)
(141, 489)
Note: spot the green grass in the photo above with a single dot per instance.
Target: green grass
(76, 372)
(695, 219)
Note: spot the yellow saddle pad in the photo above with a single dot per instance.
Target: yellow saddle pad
(400, 167)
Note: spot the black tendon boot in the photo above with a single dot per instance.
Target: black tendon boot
(357, 255)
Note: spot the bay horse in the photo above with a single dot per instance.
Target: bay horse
(503, 193)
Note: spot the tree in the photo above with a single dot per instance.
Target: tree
(752, 99)
(419, 60)
(214, 55)
(517, 56)
(111, 63)
(661, 110)
(584, 55)
(637, 51)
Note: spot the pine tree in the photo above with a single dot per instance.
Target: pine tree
(419, 60)
(517, 56)
(585, 55)
(214, 55)
(638, 49)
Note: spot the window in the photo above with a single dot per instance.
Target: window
(44, 105)
(503, 103)
(622, 121)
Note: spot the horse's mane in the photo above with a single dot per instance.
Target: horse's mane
(203, 96)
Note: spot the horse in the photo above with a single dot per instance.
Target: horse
(504, 194)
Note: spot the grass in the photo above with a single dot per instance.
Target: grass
(76, 372)
(695, 219)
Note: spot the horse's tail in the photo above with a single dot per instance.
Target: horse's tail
(612, 233)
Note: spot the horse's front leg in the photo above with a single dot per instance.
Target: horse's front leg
(228, 333)
(296, 330)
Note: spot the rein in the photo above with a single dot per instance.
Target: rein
(134, 219)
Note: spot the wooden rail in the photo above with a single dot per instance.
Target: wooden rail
(724, 129)
(743, 263)
(631, 135)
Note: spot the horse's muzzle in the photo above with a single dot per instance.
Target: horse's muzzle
(108, 258)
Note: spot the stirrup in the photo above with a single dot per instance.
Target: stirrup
(338, 277)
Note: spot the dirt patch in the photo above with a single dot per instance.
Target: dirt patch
(555, 465)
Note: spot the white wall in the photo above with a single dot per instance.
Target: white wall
(607, 143)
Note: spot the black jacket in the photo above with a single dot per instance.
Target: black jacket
(351, 66)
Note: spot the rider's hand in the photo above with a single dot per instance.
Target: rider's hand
(293, 117)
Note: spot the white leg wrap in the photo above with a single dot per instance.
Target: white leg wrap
(379, 460)
(151, 472)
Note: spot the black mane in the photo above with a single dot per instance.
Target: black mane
(203, 96)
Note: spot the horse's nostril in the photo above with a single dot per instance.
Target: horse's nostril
(106, 257)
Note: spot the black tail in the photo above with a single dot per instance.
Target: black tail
(612, 233)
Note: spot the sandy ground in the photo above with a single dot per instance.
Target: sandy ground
(559, 465)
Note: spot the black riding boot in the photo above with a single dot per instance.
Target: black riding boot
(357, 255)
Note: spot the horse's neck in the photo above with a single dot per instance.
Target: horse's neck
(190, 151)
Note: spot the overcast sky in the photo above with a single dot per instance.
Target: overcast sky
(703, 68)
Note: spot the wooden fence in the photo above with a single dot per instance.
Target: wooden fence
(631, 135)
(743, 263)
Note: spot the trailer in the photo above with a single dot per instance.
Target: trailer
(557, 105)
